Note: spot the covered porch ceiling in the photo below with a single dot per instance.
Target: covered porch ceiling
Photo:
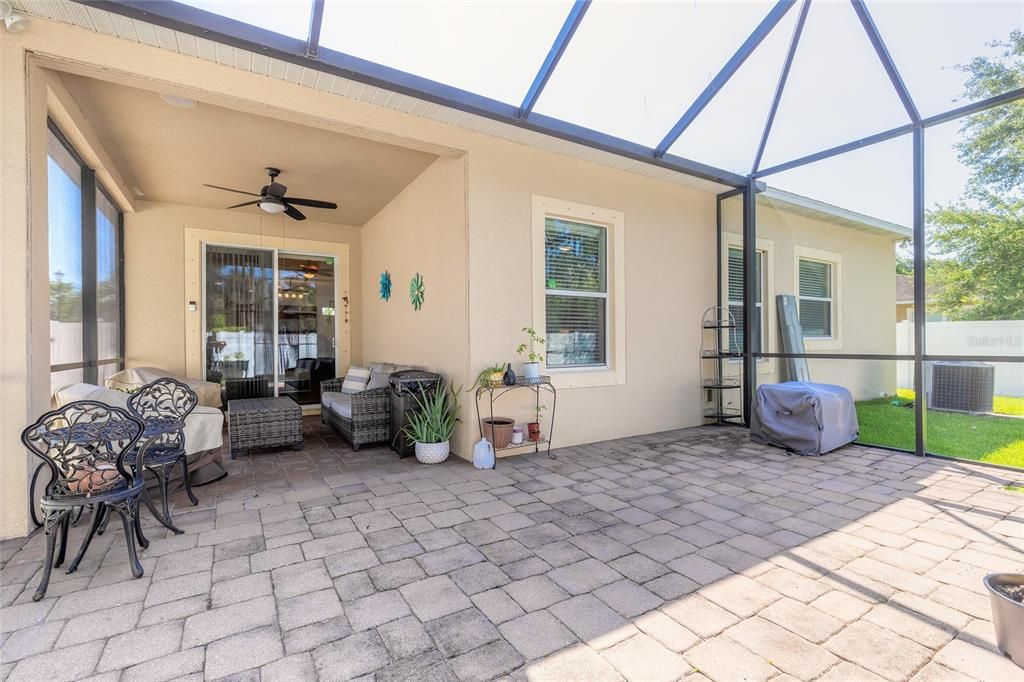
(166, 153)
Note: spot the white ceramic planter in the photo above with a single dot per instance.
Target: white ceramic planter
(432, 453)
(531, 372)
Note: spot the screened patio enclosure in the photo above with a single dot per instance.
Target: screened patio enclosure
(887, 116)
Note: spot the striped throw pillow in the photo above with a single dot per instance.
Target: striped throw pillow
(355, 380)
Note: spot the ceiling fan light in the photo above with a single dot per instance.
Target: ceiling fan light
(17, 23)
(272, 207)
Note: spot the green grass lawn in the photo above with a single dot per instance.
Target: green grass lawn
(993, 439)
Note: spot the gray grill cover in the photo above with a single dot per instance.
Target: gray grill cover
(805, 418)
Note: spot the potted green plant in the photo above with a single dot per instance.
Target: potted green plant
(533, 428)
(490, 377)
(431, 426)
(531, 369)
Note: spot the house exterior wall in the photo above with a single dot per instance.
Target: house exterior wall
(156, 287)
(478, 296)
(866, 315)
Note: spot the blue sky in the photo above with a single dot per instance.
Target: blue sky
(633, 67)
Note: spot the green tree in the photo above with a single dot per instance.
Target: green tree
(979, 239)
(65, 301)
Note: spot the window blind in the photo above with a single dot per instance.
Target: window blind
(576, 283)
(735, 300)
(815, 298)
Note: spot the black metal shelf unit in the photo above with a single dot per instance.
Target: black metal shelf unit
(715, 377)
(495, 391)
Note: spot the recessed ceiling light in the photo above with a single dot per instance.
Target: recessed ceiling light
(176, 101)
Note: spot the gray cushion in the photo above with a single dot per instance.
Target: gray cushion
(338, 403)
(381, 372)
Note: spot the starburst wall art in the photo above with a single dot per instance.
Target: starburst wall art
(416, 291)
(385, 285)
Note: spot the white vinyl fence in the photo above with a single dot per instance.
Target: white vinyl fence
(998, 337)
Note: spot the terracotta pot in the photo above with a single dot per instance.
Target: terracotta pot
(499, 431)
(534, 431)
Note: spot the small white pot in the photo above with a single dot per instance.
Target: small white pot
(432, 453)
(531, 371)
(517, 435)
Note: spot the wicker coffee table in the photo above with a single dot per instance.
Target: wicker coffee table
(263, 423)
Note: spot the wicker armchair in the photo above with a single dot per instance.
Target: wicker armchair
(371, 414)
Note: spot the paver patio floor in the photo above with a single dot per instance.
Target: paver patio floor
(689, 554)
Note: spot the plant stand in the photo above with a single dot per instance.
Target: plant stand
(493, 393)
(716, 373)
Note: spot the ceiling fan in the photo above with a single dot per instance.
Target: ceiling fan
(272, 198)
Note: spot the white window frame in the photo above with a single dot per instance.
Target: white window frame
(766, 247)
(613, 372)
(835, 260)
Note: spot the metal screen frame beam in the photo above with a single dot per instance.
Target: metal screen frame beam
(759, 33)
(887, 63)
(316, 22)
(920, 300)
(572, 22)
(192, 21)
(783, 77)
(937, 119)
(749, 301)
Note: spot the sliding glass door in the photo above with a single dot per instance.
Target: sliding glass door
(239, 320)
(306, 324)
(269, 322)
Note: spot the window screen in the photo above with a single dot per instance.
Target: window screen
(576, 293)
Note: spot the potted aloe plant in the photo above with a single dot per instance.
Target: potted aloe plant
(431, 426)
(531, 369)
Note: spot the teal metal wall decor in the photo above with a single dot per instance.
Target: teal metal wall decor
(385, 285)
(416, 291)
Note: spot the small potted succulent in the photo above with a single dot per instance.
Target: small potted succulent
(531, 369)
(1006, 594)
(431, 426)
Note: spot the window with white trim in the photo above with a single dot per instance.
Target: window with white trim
(575, 294)
(816, 304)
(735, 299)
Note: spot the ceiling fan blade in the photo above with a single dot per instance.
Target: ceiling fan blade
(312, 203)
(293, 212)
(228, 189)
(247, 203)
(276, 189)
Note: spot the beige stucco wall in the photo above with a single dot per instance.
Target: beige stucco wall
(866, 314)
(669, 280)
(155, 291)
(421, 230)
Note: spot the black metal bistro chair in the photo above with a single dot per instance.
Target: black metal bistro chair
(83, 444)
(163, 406)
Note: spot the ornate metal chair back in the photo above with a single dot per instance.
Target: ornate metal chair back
(83, 444)
(163, 399)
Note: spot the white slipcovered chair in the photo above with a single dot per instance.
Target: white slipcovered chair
(136, 377)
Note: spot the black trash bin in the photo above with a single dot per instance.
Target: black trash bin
(405, 387)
